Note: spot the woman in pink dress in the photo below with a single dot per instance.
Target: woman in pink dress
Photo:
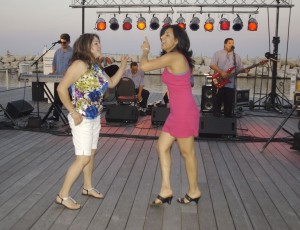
(182, 123)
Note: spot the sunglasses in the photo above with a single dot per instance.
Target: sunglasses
(63, 43)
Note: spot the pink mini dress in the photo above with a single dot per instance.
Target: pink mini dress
(183, 120)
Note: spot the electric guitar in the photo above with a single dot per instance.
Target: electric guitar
(219, 81)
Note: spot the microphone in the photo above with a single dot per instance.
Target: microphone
(232, 47)
(58, 42)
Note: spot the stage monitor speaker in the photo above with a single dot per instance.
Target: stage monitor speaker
(122, 113)
(19, 108)
(206, 99)
(159, 115)
(296, 141)
(242, 96)
(218, 126)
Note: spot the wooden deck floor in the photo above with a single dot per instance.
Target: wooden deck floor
(242, 188)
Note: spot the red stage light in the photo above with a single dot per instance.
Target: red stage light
(100, 24)
(224, 24)
(252, 24)
(127, 23)
(181, 22)
(167, 21)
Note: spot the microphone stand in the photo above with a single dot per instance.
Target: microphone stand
(235, 78)
(37, 121)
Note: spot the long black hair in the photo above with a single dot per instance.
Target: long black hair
(183, 45)
(82, 49)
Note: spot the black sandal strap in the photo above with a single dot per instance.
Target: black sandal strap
(162, 199)
(188, 198)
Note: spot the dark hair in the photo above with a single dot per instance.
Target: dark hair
(65, 37)
(183, 44)
(227, 39)
(133, 64)
(82, 49)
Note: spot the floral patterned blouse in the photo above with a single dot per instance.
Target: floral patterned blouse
(87, 92)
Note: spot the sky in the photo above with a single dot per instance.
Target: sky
(29, 25)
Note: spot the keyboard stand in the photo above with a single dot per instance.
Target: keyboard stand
(53, 106)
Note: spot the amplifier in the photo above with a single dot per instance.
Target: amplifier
(217, 126)
(122, 113)
(159, 115)
(242, 96)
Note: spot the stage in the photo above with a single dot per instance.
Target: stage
(242, 188)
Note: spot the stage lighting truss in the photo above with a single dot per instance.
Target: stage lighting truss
(237, 23)
(141, 23)
(194, 24)
(209, 24)
(100, 24)
(114, 24)
(167, 21)
(181, 22)
(252, 24)
(127, 23)
(154, 23)
(224, 23)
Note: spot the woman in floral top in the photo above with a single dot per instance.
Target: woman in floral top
(87, 83)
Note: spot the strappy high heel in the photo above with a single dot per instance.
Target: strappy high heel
(162, 200)
(190, 199)
(62, 199)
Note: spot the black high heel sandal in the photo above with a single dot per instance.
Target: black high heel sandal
(163, 200)
(190, 199)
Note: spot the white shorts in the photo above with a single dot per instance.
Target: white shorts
(85, 135)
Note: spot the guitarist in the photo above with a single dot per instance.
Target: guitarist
(220, 63)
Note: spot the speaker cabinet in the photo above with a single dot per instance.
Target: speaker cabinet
(37, 91)
(206, 99)
(296, 141)
(19, 108)
(242, 97)
(218, 126)
(122, 113)
(159, 115)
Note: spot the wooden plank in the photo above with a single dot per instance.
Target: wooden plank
(220, 206)
(272, 183)
(109, 204)
(234, 186)
(122, 210)
(137, 215)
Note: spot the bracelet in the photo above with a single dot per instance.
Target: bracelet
(73, 111)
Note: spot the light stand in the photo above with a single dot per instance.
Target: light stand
(273, 100)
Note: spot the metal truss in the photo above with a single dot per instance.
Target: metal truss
(179, 3)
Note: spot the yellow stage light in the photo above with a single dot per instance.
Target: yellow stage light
(209, 24)
(141, 23)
